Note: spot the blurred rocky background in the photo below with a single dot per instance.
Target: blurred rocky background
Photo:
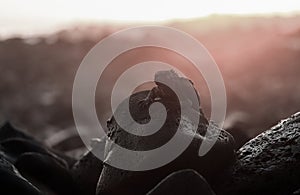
(259, 58)
(256, 45)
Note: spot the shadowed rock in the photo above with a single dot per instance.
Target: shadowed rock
(186, 182)
(12, 182)
(269, 163)
(48, 171)
(86, 171)
(117, 181)
(8, 131)
(15, 147)
(16, 142)
(43, 166)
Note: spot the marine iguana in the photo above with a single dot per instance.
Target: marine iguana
(162, 91)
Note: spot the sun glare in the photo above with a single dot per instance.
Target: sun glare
(33, 14)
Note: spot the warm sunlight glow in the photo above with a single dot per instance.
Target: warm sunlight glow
(18, 16)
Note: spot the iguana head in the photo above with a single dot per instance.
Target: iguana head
(165, 76)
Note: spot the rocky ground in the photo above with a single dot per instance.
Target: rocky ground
(259, 60)
(254, 54)
(267, 164)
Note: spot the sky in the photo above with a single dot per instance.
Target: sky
(34, 16)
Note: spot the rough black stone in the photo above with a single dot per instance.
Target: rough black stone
(87, 169)
(117, 181)
(12, 182)
(48, 171)
(269, 163)
(187, 182)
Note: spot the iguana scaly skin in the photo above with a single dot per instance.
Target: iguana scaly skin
(162, 91)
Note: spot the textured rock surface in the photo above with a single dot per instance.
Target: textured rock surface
(269, 163)
(186, 182)
(12, 182)
(15, 142)
(87, 169)
(15, 147)
(116, 181)
(47, 171)
(8, 131)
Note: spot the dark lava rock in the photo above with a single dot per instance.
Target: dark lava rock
(15, 147)
(117, 181)
(9, 131)
(69, 143)
(11, 182)
(43, 166)
(86, 171)
(15, 142)
(48, 171)
(269, 163)
(187, 182)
